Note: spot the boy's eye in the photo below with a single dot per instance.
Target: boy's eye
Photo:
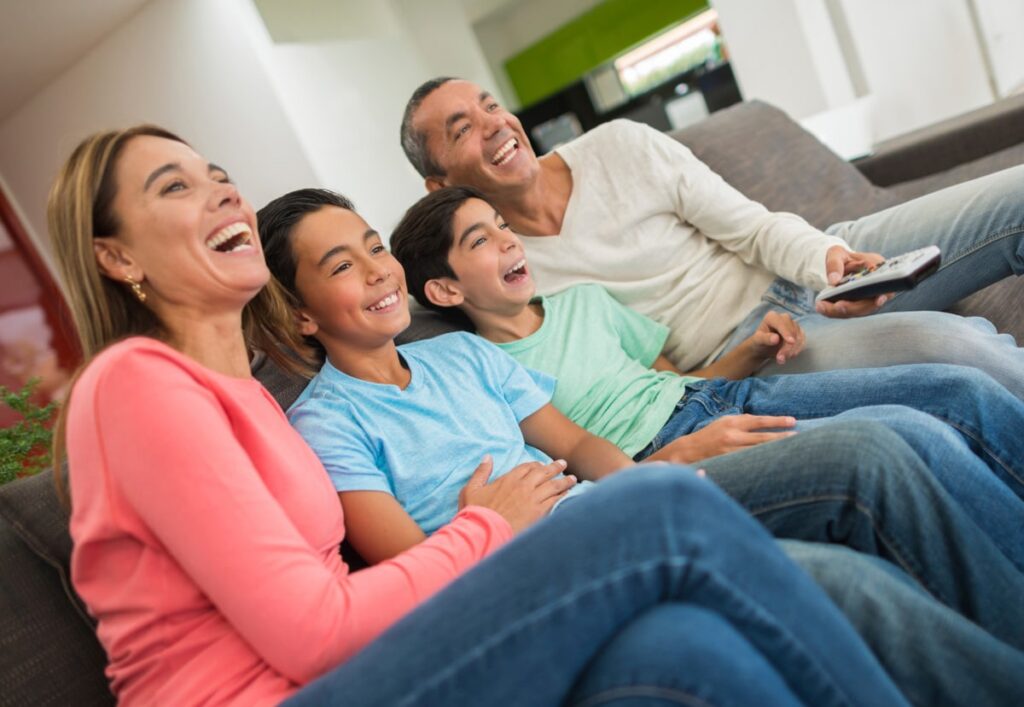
(479, 241)
(342, 267)
(377, 249)
(503, 226)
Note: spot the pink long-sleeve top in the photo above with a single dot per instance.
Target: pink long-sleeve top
(206, 537)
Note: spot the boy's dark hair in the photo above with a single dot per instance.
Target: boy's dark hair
(276, 222)
(422, 239)
(279, 218)
(414, 142)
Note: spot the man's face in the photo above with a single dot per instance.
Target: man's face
(475, 141)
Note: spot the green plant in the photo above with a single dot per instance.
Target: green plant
(25, 446)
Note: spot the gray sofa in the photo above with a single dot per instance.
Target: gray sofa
(48, 651)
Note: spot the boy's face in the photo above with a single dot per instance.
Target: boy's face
(353, 290)
(489, 262)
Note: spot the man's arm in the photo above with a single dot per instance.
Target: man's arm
(588, 456)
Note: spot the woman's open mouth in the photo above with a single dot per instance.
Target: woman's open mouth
(232, 238)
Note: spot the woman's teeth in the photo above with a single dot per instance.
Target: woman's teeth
(384, 303)
(231, 238)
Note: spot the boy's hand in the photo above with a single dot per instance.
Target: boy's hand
(522, 496)
(840, 262)
(777, 335)
(726, 434)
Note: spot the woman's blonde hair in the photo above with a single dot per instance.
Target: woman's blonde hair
(81, 208)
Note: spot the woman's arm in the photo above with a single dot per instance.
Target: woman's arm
(588, 457)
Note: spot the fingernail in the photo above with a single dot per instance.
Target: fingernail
(701, 472)
(573, 477)
(562, 462)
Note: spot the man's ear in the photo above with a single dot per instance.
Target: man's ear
(443, 292)
(307, 325)
(115, 261)
(435, 183)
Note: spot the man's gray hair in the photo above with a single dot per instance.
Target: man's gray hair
(414, 142)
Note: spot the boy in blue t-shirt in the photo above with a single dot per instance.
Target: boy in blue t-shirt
(612, 379)
(400, 429)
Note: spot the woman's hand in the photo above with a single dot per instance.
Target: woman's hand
(726, 434)
(840, 262)
(522, 496)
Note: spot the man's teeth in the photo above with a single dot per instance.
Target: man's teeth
(506, 152)
(239, 231)
(386, 302)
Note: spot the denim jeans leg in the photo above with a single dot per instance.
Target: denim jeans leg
(522, 627)
(640, 666)
(859, 484)
(899, 338)
(937, 657)
(979, 226)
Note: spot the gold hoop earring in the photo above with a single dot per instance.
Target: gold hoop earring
(136, 288)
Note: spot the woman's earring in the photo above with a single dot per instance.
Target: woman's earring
(136, 288)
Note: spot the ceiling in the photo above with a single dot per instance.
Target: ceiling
(40, 39)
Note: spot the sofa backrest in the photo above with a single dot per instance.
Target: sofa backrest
(49, 653)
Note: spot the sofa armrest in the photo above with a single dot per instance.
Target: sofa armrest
(947, 144)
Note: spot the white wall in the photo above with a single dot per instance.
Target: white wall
(921, 60)
(346, 100)
(194, 66)
(1002, 24)
(770, 54)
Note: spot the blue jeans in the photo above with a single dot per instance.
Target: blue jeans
(860, 485)
(601, 603)
(979, 225)
(971, 437)
(934, 655)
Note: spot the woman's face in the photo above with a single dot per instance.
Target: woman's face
(184, 230)
(352, 288)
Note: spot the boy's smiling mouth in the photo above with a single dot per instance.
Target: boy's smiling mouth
(517, 273)
(387, 303)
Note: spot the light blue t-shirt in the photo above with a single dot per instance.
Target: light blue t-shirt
(465, 400)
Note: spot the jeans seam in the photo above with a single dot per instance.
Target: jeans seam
(992, 238)
(676, 695)
(981, 443)
(595, 586)
(896, 549)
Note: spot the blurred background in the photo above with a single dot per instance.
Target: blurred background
(294, 93)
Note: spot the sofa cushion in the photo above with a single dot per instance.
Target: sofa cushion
(49, 653)
(762, 152)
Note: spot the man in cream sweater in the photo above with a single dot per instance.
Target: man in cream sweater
(632, 209)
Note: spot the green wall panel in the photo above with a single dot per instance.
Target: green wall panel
(591, 39)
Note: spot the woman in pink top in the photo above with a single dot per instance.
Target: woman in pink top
(206, 532)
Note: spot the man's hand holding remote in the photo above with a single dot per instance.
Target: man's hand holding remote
(839, 262)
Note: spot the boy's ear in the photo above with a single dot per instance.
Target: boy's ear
(115, 261)
(307, 325)
(443, 292)
(434, 183)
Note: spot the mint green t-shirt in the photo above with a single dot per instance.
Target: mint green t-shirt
(600, 352)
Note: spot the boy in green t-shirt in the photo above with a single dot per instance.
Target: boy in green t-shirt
(612, 379)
